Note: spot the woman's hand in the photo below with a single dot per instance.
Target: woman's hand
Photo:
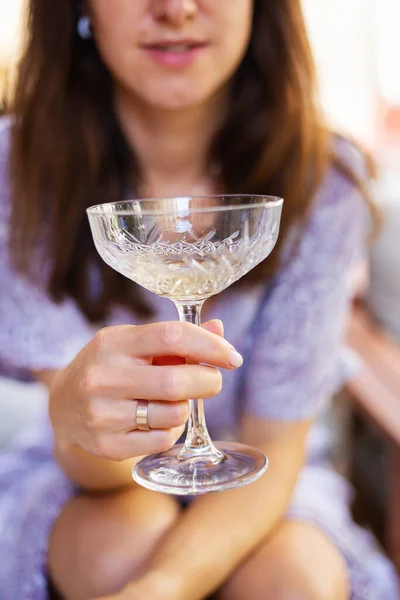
(93, 401)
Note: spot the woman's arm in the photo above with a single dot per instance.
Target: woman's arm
(218, 531)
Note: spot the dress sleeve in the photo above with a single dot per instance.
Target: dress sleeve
(296, 357)
(35, 332)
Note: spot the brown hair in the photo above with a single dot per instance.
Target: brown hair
(68, 151)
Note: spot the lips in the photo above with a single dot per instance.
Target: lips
(174, 46)
(175, 53)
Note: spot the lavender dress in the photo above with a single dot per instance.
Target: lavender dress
(290, 375)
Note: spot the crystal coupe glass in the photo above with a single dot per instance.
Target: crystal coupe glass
(188, 249)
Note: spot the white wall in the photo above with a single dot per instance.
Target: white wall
(10, 15)
(340, 32)
(386, 15)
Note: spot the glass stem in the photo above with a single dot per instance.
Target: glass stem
(198, 441)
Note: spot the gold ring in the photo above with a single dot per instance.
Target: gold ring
(142, 412)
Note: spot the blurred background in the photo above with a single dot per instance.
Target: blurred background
(357, 50)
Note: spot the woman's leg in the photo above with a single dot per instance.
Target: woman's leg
(298, 563)
(100, 542)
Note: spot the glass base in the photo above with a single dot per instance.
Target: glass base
(165, 472)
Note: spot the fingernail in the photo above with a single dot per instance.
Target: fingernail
(235, 359)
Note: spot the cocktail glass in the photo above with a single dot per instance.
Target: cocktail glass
(189, 249)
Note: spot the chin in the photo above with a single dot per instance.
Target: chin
(168, 98)
(173, 104)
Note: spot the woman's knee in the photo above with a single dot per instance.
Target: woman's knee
(298, 563)
(101, 542)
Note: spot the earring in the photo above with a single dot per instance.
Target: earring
(84, 28)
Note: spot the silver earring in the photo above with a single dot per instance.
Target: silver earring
(85, 28)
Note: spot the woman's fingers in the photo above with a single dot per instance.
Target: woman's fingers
(214, 326)
(135, 443)
(171, 338)
(172, 383)
(165, 415)
(180, 382)
(120, 415)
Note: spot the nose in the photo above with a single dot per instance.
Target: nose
(174, 12)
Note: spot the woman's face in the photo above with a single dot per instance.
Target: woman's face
(171, 54)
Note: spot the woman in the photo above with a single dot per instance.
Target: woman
(168, 97)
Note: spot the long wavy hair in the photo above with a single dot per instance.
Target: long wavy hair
(69, 152)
